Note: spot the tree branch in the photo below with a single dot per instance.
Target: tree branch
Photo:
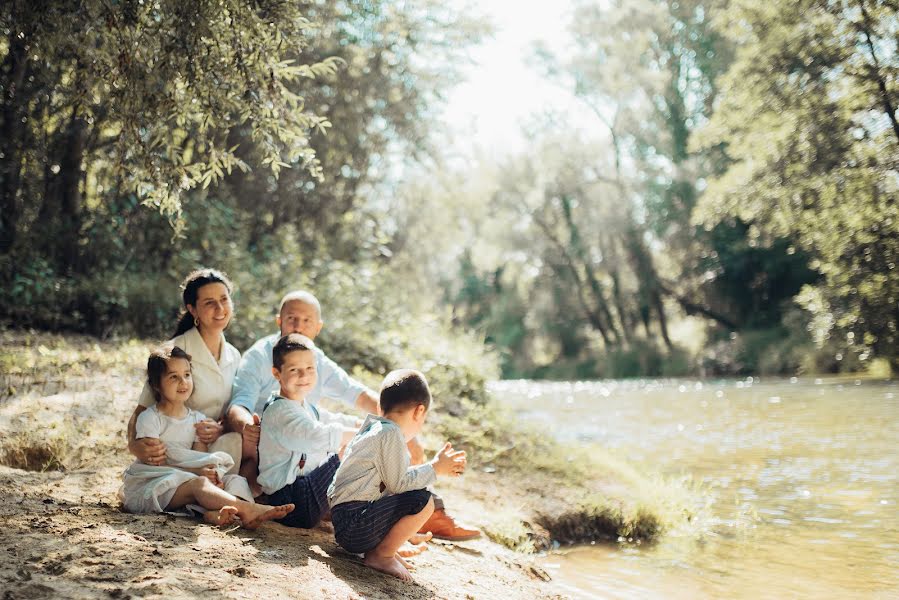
(691, 308)
(884, 93)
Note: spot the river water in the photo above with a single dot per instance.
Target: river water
(802, 476)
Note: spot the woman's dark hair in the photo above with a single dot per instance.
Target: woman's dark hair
(157, 365)
(190, 287)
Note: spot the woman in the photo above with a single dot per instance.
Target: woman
(208, 310)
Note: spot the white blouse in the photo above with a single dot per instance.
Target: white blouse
(212, 379)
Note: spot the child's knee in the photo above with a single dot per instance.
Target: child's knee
(428, 509)
(198, 484)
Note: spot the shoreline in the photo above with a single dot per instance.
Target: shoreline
(69, 412)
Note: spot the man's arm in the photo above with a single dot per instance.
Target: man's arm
(150, 451)
(336, 384)
(241, 421)
(368, 401)
(251, 377)
(253, 374)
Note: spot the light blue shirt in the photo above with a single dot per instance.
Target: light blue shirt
(295, 432)
(376, 464)
(254, 382)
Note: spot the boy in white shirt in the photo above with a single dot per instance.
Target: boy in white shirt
(378, 501)
(298, 442)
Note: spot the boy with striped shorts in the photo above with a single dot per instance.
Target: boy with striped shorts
(378, 501)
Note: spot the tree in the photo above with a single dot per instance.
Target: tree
(809, 123)
(105, 99)
(649, 71)
(398, 59)
(267, 133)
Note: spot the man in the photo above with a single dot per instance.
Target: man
(300, 312)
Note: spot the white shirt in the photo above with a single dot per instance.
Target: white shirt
(294, 432)
(376, 464)
(212, 379)
(174, 432)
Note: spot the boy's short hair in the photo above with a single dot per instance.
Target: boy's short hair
(157, 364)
(404, 388)
(287, 344)
(304, 297)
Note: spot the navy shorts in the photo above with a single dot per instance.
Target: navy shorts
(309, 494)
(360, 526)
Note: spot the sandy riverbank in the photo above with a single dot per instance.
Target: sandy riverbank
(63, 534)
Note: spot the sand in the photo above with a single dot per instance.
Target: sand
(63, 534)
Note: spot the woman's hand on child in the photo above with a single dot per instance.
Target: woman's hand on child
(449, 462)
(208, 431)
(150, 451)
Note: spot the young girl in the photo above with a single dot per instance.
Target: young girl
(191, 475)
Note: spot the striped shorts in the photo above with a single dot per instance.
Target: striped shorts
(309, 494)
(360, 526)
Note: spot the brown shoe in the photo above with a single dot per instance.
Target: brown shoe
(445, 527)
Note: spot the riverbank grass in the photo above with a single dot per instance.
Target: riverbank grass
(551, 492)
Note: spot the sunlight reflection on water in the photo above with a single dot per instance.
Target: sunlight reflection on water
(814, 460)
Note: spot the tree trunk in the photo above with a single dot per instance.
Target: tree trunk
(648, 282)
(14, 70)
(663, 320)
(691, 308)
(593, 317)
(596, 289)
(61, 210)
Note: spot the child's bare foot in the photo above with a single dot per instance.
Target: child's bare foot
(409, 549)
(403, 562)
(259, 513)
(389, 565)
(420, 538)
(226, 515)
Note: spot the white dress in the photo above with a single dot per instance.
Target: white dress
(150, 488)
(212, 387)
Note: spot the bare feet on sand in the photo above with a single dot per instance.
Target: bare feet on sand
(257, 514)
(420, 538)
(226, 515)
(403, 562)
(390, 565)
(408, 549)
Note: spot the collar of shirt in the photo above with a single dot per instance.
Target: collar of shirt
(200, 354)
(306, 406)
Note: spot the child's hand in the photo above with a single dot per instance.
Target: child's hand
(448, 461)
(208, 430)
(251, 431)
(212, 475)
